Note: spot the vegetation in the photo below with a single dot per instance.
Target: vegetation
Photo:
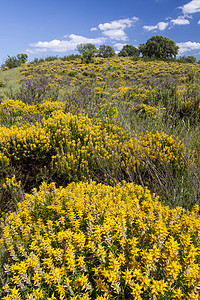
(100, 179)
(100, 242)
(188, 59)
(106, 51)
(15, 61)
(87, 51)
(159, 47)
(129, 50)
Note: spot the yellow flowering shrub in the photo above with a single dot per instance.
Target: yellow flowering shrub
(150, 85)
(157, 147)
(116, 72)
(148, 111)
(93, 241)
(67, 147)
(4, 68)
(21, 112)
(89, 240)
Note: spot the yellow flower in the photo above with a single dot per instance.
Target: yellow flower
(136, 291)
(158, 287)
(193, 296)
(13, 296)
(177, 294)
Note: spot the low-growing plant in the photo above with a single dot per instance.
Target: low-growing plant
(35, 91)
(71, 57)
(11, 194)
(99, 242)
(65, 148)
(16, 112)
(117, 121)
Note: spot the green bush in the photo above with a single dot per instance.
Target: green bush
(15, 61)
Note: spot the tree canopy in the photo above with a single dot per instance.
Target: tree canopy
(188, 59)
(87, 50)
(159, 47)
(129, 50)
(106, 51)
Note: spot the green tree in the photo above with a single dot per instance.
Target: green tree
(22, 58)
(106, 51)
(87, 51)
(159, 47)
(129, 50)
(15, 61)
(188, 59)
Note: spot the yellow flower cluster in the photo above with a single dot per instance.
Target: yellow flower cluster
(117, 80)
(152, 149)
(148, 111)
(122, 92)
(123, 70)
(93, 241)
(4, 68)
(76, 148)
(11, 183)
(21, 111)
(89, 240)
(4, 161)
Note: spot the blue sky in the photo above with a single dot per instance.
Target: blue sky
(41, 28)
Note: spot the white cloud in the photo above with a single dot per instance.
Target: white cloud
(77, 39)
(161, 26)
(198, 22)
(116, 34)
(119, 46)
(149, 28)
(181, 20)
(188, 46)
(122, 24)
(93, 29)
(191, 7)
(63, 45)
(115, 29)
(36, 50)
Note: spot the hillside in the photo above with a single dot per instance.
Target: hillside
(87, 140)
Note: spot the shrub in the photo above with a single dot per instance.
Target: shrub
(188, 59)
(100, 242)
(15, 61)
(65, 148)
(51, 58)
(16, 112)
(71, 57)
(36, 90)
(37, 60)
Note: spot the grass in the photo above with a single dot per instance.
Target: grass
(11, 82)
